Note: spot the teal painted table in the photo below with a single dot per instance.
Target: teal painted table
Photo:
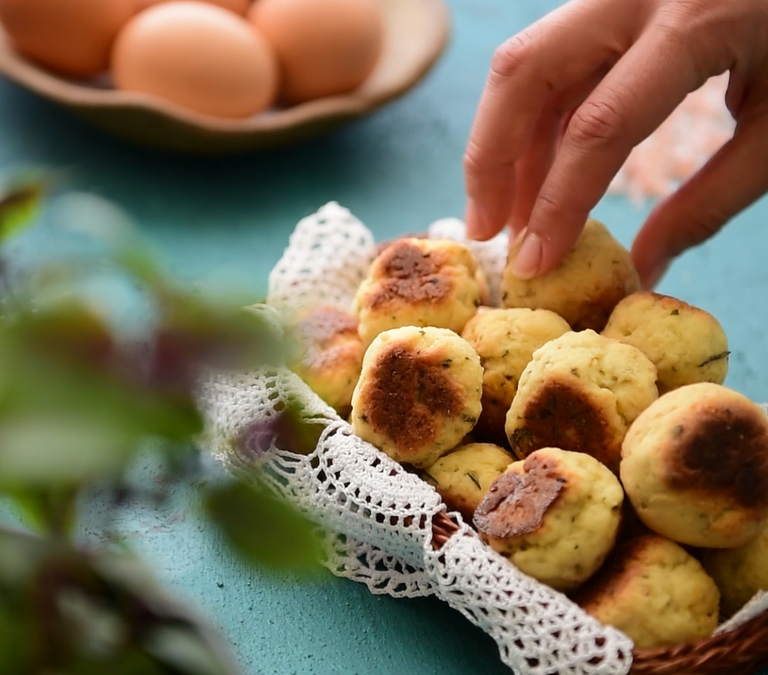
(222, 224)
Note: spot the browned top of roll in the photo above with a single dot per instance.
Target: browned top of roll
(407, 393)
(322, 325)
(561, 413)
(722, 450)
(516, 504)
(326, 337)
(411, 274)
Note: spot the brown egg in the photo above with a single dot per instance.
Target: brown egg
(197, 56)
(237, 6)
(325, 47)
(71, 37)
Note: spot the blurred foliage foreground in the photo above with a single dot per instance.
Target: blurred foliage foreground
(78, 402)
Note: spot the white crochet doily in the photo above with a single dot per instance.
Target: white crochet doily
(376, 517)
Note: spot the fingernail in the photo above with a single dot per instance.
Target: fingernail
(516, 227)
(654, 276)
(528, 258)
(479, 222)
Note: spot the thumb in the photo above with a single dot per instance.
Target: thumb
(735, 177)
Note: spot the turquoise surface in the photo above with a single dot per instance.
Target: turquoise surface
(222, 223)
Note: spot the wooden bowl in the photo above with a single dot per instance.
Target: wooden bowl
(416, 34)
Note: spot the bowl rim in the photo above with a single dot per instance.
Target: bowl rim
(86, 96)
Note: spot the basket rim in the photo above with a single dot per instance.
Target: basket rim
(744, 649)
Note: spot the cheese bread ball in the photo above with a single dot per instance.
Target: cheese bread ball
(463, 476)
(592, 279)
(328, 354)
(739, 572)
(418, 282)
(505, 340)
(695, 466)
(580, 392)
(655, 592)
(685, 343)
(555, 515)
(418, 394)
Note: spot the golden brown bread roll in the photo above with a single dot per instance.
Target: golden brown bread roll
(580, 392)
(695, 466)
(595, 275)
(554, 515)
(655, 592)
(328, 354)
(419, 282)
(685, 343)
(463, 476)
(739, 572)
(418, 394)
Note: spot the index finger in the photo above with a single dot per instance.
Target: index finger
(642, 90)
(558, 51)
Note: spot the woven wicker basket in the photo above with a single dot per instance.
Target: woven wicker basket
(742, 651)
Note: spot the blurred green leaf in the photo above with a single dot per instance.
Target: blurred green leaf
(64, 421)
(75, 408)
(181, 649)
(295, 433)
(19, 205)
(288, 430)
(14, 639)
(130, 661)
(96, 630)
(212, 334)
(64, 329)
(20, 554)
(49, 509)
(71, 611)
(264, 529)
(92, 434)
(51, 449)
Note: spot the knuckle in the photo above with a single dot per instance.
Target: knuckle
(474, 163)
(560, 203)
(704, 225)
(595, 123)
(547, 204)
(671, 22)
(695, 29)
(512, 54)
(674, 30)
(679, 15)
(478, 161)
(696, 227)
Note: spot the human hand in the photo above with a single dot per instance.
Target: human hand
(568, 98)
